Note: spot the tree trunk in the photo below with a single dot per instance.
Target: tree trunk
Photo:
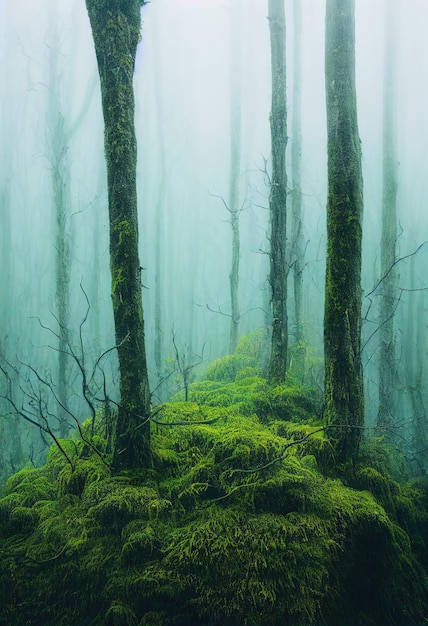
(414, 342)
(344, 404)
(278, 195)
(235, 166)
(59, 163)
(116, 31)
(418, 397)
(388, 293)
(57, 155)
(5, 259)
(160, 208)
(296, 195)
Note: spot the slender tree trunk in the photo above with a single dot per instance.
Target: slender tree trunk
(57, 154)
(159, 212)
(418, 397)
(116, 31)
(278, 195)
(388, 293)
(296, 196)
(235, 167)
(59, 164)
(414, 374)
(344, 404)
(159, 331)
(5, 262)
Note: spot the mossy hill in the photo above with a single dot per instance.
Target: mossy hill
(243, 520)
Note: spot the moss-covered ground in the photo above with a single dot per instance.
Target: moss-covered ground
(241, 521)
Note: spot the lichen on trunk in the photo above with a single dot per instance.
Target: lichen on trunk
(116, 32)
(278, 195)
(344, 404)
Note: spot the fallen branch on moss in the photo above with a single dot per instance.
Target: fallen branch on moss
(187, 422)
(282, 455)
(302, 440)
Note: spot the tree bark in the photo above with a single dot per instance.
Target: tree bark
(57, 144)
(388, 292)
(116, 32)
(344, 403)
(296, 195)
(414, 342)
(235, 166)
(278, 195)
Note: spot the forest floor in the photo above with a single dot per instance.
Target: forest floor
(244, 519)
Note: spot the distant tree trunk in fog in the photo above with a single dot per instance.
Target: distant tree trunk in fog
(417, 392)
(5, 259)
(57, 155)
(235, 167)
(277, 365)
(296, 195)
(159, 212)
(414, 371)
(116, 32)
(344, 404)
(388, 291)
(59, 164)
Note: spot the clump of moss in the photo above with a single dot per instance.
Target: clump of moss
(236, 525)
(251, 569)
(246, 361)
(225, 394)
(32, 485)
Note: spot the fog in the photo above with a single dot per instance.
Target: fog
(52, 134)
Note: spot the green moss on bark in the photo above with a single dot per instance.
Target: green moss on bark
(278, 195)
(116, 32)
(344, 404)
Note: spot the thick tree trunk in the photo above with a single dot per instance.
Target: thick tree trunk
(116, 31)
(388, 292)
(344, 402)
(278, 195)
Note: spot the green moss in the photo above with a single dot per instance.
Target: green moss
(231, 367)
(85, 471)
(226, 394)
(16, 519)
(113, 505)
(32, 486)
(381, 486)
(250, 569)
(236, 526)
(141, 543)
(120, 614)
(288, 403)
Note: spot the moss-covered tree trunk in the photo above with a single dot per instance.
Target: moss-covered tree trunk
(278, 195)
(116, 32)
(344, 403)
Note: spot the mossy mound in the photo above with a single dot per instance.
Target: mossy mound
(235, 525)
(243, 363)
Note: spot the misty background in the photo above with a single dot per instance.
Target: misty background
(193, 55)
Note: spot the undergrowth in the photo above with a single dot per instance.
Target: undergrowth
(236, 524)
